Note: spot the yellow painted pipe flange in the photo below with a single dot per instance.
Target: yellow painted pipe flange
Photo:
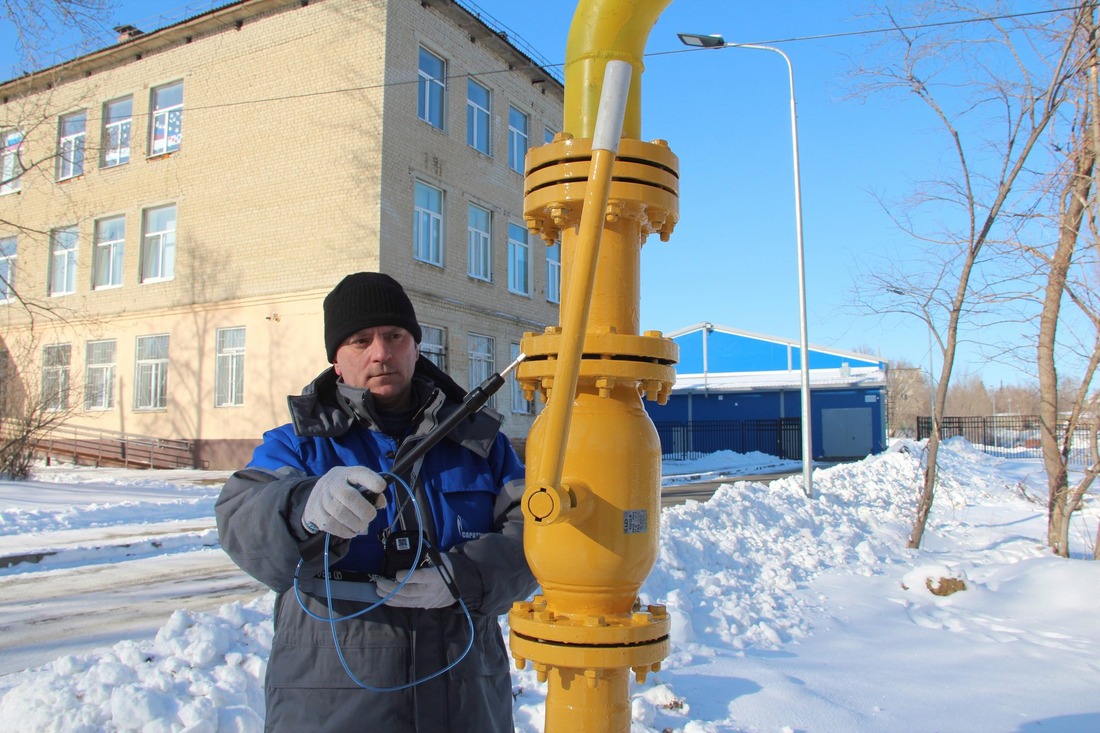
(644, 186)
(649, 347)
(535, 621)
(588, 657)
(567, 149)
(650, 377)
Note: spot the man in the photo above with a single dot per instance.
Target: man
(319, 477)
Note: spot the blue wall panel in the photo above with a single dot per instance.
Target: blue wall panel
(730, 352)
(691, 353)
(700, 407)
(733, 353)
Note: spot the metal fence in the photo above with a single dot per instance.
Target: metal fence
(780, 437)
(1008, 436)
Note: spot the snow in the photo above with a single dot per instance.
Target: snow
(789, 614)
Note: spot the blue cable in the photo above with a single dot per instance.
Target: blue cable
(328, 582)
(333, 619)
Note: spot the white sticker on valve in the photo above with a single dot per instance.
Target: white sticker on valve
(635, 521)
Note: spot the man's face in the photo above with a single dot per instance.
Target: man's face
(382, 359)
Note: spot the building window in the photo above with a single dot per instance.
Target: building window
(428, 224)
(479, 243)
(151, 373)
(11, 166)
(478, 115)
(158, 244)
(520, 404)
(547, 136)
(110, 235)
(553, 272)
(431, 86)
(7, 269)
(62, 261)
(479, 350)
(70, 145)
(229, 376)
(118, 117)
(166, 125)
(99, 375)
(55, 377)
(434, 345)
(517, 139)
(519, 277)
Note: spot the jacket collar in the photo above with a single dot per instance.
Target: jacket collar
(320, 411)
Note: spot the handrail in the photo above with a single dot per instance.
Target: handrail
(101, 446)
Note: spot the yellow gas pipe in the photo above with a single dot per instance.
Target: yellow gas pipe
(592, 505)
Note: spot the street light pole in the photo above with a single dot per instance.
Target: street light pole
(717, 41)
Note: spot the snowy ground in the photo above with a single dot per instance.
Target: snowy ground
(788, 614)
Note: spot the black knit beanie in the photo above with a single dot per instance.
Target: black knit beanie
(362, 300)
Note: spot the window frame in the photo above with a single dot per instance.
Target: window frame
(481, 363)
(428, 248)
(150, 376)
(9, 251)
(431, 91)
(112, 263)
(519, 260)
(99, 377)
(432, 348)
(165, 113)
(479, 244)
(229, 367)
(553, 272)
(72, 132)
(476, 112)
(161, 242)
(116, 152)
(63, 262)
(516, 156)
(520, 404)
(11, 162)
(54, 388)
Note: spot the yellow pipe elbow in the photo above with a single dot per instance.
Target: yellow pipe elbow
(602, 31)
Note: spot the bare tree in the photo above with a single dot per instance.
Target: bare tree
(35, 393)
(968, 397)
(1015, 399)
(1071, 192)
(909, 395)
(958, 79)
(32, 401)
(41, 25)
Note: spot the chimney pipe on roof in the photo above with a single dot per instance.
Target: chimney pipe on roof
(127, 32)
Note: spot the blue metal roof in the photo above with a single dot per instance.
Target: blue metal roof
(708, 348)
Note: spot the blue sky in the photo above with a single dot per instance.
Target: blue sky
(726, 114)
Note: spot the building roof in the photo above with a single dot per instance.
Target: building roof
(860, 377)
(724, 359)
(854, 355)
(138, 43)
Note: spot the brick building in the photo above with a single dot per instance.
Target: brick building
(174, 208)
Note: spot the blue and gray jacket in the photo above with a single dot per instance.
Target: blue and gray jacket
(469, 486)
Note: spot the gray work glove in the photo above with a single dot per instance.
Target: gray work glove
(344, 501)
(426, 588)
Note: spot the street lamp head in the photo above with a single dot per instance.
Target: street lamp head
(700, 41)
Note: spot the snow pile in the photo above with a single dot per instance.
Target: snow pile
(77, 504)
(788, 614)
(723, 464)
(202, 674)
